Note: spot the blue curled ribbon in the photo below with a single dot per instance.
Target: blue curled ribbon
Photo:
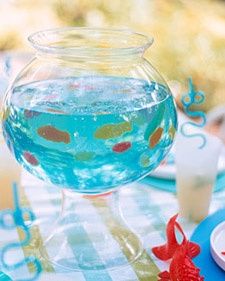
(193, 97)
(17, 215)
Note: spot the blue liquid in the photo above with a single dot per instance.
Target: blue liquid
(90, 134)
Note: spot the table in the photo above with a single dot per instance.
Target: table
(147, 210)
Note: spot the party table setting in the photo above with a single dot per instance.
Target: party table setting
(112, 181)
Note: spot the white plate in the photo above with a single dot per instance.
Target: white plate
(217, 244)
(169, 171)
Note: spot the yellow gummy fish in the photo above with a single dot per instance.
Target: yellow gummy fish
(111, 131)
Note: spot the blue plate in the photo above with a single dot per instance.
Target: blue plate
(170, 184)
(209, 269)
(160, 183)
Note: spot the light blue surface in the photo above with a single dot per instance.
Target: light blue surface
(209, 269)
(170, 184)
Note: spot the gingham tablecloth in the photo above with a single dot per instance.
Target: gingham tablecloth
(146, 211)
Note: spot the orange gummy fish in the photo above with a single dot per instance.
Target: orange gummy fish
(52, 134)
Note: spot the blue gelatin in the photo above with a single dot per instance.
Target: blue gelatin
(90, 133)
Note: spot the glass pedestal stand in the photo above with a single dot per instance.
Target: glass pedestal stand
(91, 234)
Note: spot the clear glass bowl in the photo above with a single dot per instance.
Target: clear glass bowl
(89, 113)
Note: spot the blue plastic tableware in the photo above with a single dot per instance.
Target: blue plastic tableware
(170, 184)
(209, 269)
(160, 183)
(4, 277)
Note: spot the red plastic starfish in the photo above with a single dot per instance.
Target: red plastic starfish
(181, 268)
(166, 252)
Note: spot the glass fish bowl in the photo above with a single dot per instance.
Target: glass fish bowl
(89, 114)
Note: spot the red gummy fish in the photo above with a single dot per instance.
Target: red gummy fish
(181, 268)
(166, 252)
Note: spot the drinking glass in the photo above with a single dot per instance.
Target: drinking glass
(196, 171)
(89, 114)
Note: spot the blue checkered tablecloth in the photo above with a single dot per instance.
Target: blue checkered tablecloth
(146, 212)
